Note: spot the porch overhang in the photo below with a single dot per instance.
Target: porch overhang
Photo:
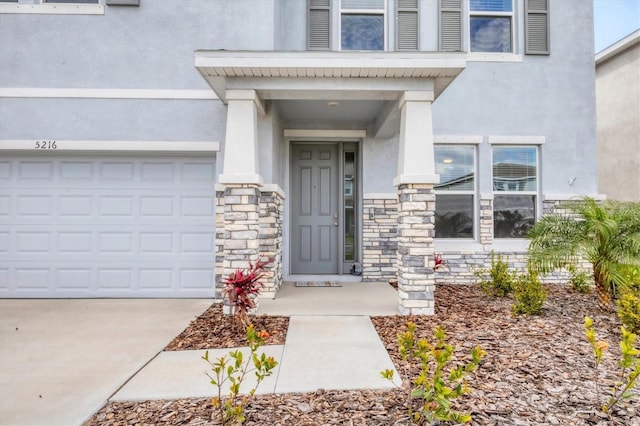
(328, 75)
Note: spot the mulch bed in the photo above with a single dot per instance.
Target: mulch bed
(538, 370)
(212, 330)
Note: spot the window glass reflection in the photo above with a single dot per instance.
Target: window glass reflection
(362, 32)
(514, 169)
(513, 215)
(455, 167)
(490, 34)
(454, 216)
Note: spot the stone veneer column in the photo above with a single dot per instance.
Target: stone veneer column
(270, 237)
(486, 220)
(416, 278)
(416, 204)
(241, 226)
(379, 237)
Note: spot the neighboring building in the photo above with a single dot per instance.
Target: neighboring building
(328, 127)
(618, 119)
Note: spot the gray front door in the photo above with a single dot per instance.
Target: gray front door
(314, 208)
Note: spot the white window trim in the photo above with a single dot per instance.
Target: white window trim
(53, 8)
(471, 142)
(457, 139)
(517, 140)
(385, 22)
(495, 56)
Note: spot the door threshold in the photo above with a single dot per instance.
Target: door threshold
(322, 277)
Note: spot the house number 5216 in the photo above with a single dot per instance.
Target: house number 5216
(46, 145)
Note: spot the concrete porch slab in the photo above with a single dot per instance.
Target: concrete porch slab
(353, 298)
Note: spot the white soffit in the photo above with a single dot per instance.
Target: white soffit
(218, 65)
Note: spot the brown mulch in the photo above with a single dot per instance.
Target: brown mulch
(538, 370)
(212, 330)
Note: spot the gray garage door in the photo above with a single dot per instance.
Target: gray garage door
(107, 226)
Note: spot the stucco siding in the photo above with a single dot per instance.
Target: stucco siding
(551, 96)
(150, 46)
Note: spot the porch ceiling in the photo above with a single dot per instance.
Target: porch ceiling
(366, 84)
(309, 74)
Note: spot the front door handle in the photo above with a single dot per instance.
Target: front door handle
(335, 217)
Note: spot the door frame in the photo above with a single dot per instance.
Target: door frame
(340, 138)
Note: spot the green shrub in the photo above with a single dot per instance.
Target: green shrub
(439, 381)
(497, 281)
(580, 280)
(629, 301)
(629, 311)
(233, 370)
(629, 363)
(529, 293)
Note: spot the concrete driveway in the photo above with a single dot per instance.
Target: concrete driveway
(61, 360)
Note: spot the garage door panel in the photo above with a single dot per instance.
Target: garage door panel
(34, 205)
(31, 169)
(154, 278)
(74, 279)
(107, 227)
(5, 205)
(33, 279)
(157, 242)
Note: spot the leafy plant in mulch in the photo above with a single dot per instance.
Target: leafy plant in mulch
(242, 287)
(580, 280)
(629, 302)
(438, 383)
(529, 293)
(629, 364)
(497, 280)
(233, 370)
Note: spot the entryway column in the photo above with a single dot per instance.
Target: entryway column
(239, 192)
(416, 205)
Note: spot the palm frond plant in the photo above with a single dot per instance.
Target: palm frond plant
(606, 234)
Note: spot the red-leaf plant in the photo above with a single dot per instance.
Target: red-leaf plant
(438, 262)
(242, 288)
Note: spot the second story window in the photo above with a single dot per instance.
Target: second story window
(491, 26)
(362, 25)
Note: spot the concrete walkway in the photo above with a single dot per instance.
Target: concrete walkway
(320, 352)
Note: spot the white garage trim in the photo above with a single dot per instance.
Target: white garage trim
(42, 145)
